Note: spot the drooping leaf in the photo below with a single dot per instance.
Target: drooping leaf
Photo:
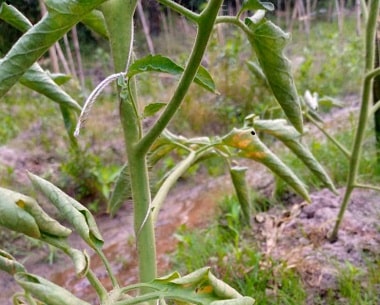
(80, 259)
(291, 138)
(121, 192)
(256, 5)
(95, 22)
(14, 217)
(46, 291)
(199, 287)
(74, 212)
(62, 16)
(249, 146)
(268, 42)
(159, 63)
(35, 78)
(38, 80)
(9, 264)
(241, 188)
(152, 108)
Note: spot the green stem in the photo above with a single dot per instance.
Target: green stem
(234, 21)
(363, 116)
(205, 26)
(107, 265)
(97, 285)
(367, 186)
(180, 9)
(162, 193)
(339, 145)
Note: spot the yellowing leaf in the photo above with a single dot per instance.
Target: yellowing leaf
(250, 146)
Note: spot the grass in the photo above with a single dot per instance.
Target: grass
(234, 254)
(232, 251)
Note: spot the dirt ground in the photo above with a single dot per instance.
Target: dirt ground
(295, 233)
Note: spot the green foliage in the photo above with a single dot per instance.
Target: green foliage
(326, 57)
(225, 245)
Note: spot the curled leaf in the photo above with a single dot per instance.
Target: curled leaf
(199, 287)
(249, 146)
(268, 42)
(77, 214)
(9, 264)
(291, 138)
(241, 188)
(46, 291)
(62, 16)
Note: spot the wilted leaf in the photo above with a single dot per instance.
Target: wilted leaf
(38, 80)
(241, 188)
(251, 147)
(35, 78)
(13, 216)
(77, 214)
(291, 138)
(159, 63)
(269, 41)
(121, 192)
(9, 264)
(152, 108)
(62, 16)
(199, 287)
(47, 291)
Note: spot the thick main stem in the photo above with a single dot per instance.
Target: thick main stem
(119, 18)
(363, 116)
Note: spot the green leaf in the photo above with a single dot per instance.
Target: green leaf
(239, 182)
(74, 212)
(249, 146)
(95, 22)
(59, 78)
(14, 217)
(291, 138)
(35, 78)
(9, 264)
(14, 17)
(268, 42)
(38, 80)
(80, 259)
(152, 108)
(62, 16)
(256, 70)
(256, 5)
(121, 192)
(159, 63)
(46, 291)
(199, 287)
